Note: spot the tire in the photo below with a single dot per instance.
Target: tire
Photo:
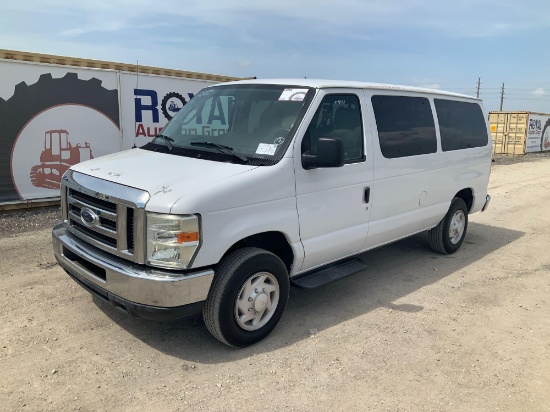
(232, 291)
(448, 235)
(29, 100)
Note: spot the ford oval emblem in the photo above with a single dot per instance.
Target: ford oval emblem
(89, 217)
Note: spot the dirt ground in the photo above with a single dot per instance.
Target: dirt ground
(416, 331)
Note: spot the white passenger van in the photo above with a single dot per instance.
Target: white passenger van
(258, 185)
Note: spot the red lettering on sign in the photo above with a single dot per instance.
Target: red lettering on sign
(140, 130)
(149, 132)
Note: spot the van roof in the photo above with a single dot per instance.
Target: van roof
(319, 84)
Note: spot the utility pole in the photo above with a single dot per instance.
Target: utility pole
(478, 86)
(501, 97)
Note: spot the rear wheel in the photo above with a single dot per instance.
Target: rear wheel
(247, 298)
(448, 235)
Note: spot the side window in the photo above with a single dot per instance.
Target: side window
(405, 126)
(338, 115)
(461, 125)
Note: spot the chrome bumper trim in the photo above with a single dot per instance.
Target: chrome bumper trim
(136, 283)
(486, 205)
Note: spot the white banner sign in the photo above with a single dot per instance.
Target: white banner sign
(52, 117)
(149, 102)
(538, 133)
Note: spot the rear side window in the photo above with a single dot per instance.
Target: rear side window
(405, 126)
(461, 125)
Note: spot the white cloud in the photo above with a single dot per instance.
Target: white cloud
(539, 92)
(103, 26)
(229, 13)
(424, 82)
(431, 86)
(349, 18)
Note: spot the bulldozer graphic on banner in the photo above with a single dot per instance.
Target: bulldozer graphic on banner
(56, 158)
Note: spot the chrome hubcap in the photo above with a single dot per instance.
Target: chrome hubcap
(456, 229)
(256, 301)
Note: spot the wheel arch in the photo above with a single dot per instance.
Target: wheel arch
(467, 195)
(272, 241)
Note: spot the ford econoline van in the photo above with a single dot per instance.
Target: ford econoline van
(258, 185)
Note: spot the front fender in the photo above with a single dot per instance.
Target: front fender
(222, 229)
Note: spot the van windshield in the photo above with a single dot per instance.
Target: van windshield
(253, 122)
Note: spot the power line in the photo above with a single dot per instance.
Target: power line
(524, 94)
(498, 89)
(531, 99)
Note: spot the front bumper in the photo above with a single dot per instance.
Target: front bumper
(142, 291)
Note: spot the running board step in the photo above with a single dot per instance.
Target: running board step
(328, 274)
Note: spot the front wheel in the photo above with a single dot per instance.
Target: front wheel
(449, 234)
(247, 298)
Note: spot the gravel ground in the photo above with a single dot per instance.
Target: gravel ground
(416, 331)
(528, 157)
(13, 223)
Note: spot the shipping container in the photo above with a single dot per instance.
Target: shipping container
(57, 111)
(517, 133)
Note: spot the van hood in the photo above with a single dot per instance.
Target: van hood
(165, 177)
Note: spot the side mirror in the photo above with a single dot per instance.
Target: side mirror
(330, 153)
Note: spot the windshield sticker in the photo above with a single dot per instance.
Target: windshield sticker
(279, 140)
(266, 149)
(296, 95)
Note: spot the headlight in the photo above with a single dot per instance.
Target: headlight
(172, 240)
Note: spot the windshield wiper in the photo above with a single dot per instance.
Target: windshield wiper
(221, 148)
(168, 141)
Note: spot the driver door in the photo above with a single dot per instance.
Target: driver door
(334, 203)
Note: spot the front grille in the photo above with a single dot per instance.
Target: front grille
(130, 229)
(92, 201)
(113, 230)
(94, 235)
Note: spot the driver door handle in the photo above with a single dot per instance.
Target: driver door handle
(367, 195)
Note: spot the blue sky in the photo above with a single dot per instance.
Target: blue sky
(440, 44)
